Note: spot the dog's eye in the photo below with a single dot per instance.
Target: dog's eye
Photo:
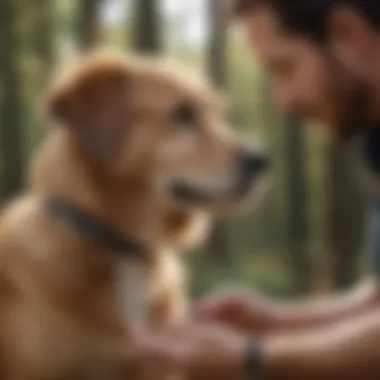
(185, 114)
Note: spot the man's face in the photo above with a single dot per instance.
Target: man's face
(332, 84)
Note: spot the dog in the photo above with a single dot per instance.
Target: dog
(138, 158)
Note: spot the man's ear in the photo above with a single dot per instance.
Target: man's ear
(350, 34)
(92, 103)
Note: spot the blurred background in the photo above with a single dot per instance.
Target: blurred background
(307, 235)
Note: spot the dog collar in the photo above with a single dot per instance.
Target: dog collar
(94, 229)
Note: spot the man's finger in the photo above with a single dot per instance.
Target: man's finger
(159, 349)
(207, 309)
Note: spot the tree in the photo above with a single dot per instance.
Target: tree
(44, 33)
(89, 29)
(11, 137)
(147, 27)
(296, 215)
(217, 63)
(217, 71)
(345, 216)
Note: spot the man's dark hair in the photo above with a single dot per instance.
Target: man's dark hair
(310, 17)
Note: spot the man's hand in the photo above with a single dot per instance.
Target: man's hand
(346, 350)
(246, 312)
(198, 351)
(258, 316)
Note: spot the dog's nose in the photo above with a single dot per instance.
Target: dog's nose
(253, 161)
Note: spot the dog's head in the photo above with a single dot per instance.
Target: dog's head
(156, 119)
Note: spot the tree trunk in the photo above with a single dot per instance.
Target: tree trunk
(345, 217)
(217, 63)
(296, 216)
(89, 30)
(44, 34)
(11, 134)
(218, 241)
(147, 27)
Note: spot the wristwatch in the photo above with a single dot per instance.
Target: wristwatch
(252, 360)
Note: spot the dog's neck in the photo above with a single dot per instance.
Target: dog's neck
(63, 172)
(131, 207)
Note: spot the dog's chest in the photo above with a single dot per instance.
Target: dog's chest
(141, 288)
(133, 291)
(137, 290)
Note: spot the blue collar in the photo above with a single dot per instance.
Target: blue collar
(94, 229)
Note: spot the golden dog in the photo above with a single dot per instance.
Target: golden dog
(140, 153)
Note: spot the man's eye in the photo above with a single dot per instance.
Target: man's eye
(185, 114)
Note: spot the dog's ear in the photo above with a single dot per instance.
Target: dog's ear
(93, 103)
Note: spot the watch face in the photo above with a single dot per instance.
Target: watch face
(252, 360)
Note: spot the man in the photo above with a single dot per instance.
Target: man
(323, 58)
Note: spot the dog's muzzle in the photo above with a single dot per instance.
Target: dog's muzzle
(249, 165)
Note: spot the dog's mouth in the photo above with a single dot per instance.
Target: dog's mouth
(184, 193)
(190, 194)
(249, 170)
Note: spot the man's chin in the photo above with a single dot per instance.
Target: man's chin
(349, 131)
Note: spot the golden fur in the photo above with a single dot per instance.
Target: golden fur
(66, 304)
